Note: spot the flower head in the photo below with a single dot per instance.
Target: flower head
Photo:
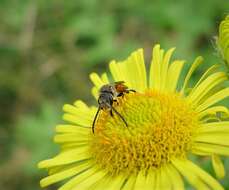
(223, 39)
(165, 125)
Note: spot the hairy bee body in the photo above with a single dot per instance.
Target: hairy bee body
(108, 94)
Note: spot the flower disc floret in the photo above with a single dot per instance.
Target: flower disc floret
(160, 126)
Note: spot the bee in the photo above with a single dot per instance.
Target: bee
(108, 94)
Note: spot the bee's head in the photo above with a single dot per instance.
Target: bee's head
(107, 88)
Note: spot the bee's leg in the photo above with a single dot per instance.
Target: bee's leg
(130, 90)
(112, 108)
(96, 115)
(111, 113)
(116, 101)
(120, 94)
(120, 116)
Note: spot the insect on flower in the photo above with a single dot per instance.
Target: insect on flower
(108, 94)
(169, 120)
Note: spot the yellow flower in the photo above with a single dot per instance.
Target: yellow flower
(223, 40)
(166, 124)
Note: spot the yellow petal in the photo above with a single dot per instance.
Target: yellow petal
(223, 39)
(196, 63)
(192, 178)
(90, 180)
(115, 182)
(164, 67)
(80, 104)
(64, 174)
(116, 72)
(209, 71)
(72, 129)
(84, 122)
(210, 118)
(78, 137)
(165, 179)
(220, 95)
(133, 68)
(137, 61)
(65, 158)
(130, 183)
(150, 180)
(57, 169)
(61, 168)
(209, 180)
(218, 166)
(196, 176)
(206, 86)
(200, 152)
(104, 182)
(140, 181)
(154, 77)
(213, 111)
(176, 180)
(211, 148)
(104, 78)
(158, 180)
(77, 115)
(95, 92)
(213, 138)
(173, 75)
(71, 184)
(129, 71)
(78, 112)
(222, 126)
(72, 145)
(98, 82)
(142, 69)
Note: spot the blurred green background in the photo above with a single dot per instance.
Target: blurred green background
(48, 49)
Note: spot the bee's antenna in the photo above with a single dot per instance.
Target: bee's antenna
(132, 90)
(119, 115)
(96, 115)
